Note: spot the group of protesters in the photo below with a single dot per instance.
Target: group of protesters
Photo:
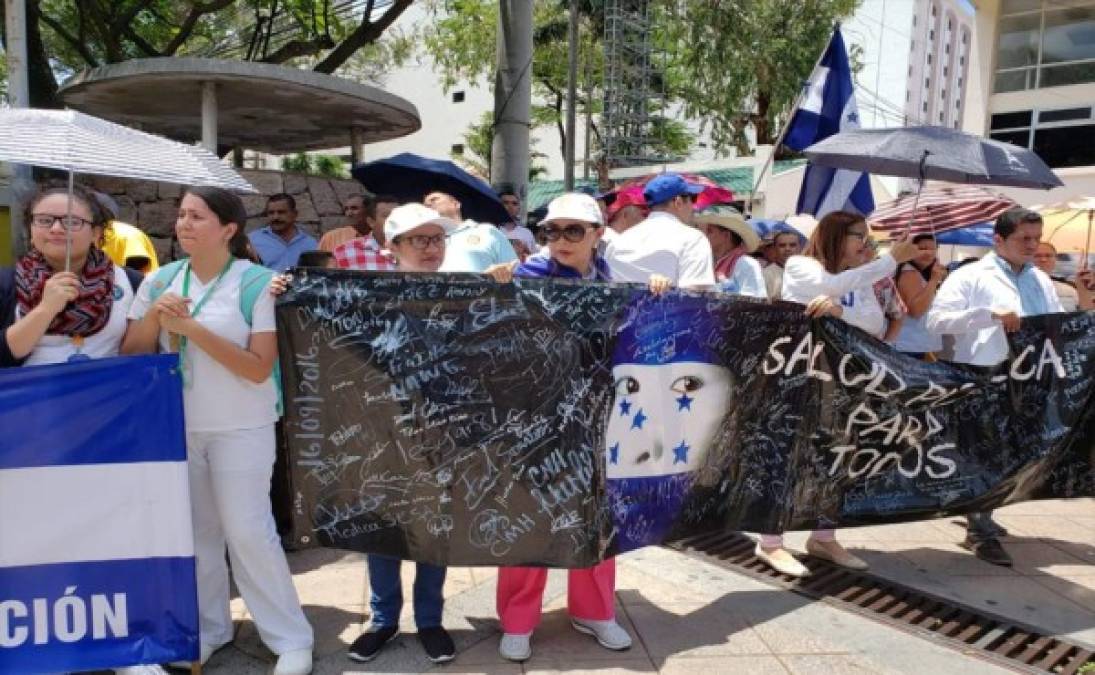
(67, 300)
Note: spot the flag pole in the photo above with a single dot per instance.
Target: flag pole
(787, 126)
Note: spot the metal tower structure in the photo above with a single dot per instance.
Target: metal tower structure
(632, 97)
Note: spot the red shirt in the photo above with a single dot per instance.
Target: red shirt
(364, 253)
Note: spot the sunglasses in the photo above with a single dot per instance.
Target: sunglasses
(572, 233)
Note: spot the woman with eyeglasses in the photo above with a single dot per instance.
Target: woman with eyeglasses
(832, 278)
(64, 300)
(572, 227)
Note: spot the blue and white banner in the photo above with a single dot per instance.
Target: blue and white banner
(828, 107)
(96, 546)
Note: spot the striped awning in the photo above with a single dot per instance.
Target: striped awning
(79, 143)
(941, 208)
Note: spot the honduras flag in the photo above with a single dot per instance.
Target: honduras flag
(96, 546)
(828, 106)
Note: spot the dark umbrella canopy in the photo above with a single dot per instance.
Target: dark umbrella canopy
(934, 153)
(411, 177)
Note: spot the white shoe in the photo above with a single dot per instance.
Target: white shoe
(147, 669)
(515, 646)
(296, 662)
(835, 553)
(782, 561)
(207, 651)
(609, 634)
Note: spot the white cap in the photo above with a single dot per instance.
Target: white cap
(410, 216)
(574, 206)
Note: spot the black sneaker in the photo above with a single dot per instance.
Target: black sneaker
(437, 643)
(368, 645)
(990, 551)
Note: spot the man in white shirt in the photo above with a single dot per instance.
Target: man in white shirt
(514, 230)
(664, 243)
(471, 247)
(979, 302)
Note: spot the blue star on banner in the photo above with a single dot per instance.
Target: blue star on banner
(614, 454)
(684, 403)
(625, 407)
(680, 453)
(637, 422)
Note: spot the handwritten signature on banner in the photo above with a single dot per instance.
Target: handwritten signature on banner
(453, 420)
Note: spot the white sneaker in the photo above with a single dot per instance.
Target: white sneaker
(782, 561)
(609, 634)
(296, 662)
(515, 646)
(207, 651)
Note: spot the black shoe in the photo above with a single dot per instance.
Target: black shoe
(990, 551)
(368, 645)
(437, 643)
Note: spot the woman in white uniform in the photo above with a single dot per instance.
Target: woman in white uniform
(230, 402)
(830, 279)
(50, 315)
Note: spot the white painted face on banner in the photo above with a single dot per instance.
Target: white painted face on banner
(664, 417)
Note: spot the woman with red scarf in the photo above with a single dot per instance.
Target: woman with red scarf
(50, 315)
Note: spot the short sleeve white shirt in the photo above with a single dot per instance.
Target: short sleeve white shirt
(215, 399)
(663, 245)
(104, 344)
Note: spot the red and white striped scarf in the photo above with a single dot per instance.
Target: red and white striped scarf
(84, 316)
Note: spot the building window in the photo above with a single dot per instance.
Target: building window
(1041, 44)
(927, 83)
(925, 107)
(929, 59)
(457, 149)
(458, 97)
(1062, 138)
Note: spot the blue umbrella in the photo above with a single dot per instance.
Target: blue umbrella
(411, 177)
(979, 234)
(768, 228)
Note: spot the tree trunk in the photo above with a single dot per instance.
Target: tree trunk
(43, 86)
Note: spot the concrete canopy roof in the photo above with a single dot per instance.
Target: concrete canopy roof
(260, 106)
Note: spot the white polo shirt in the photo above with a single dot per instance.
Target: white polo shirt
(214, 398)
(661, 244)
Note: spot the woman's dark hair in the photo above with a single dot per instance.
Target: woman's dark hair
(228, 208)
(315, 259)
(925, 272)
(99, 216)
(827, 241)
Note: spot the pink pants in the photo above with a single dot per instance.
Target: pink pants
(520, 597)
(771, 541)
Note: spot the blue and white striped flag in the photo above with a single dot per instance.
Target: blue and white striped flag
(828, 107)
(96, 546)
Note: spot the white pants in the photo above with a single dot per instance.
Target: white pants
(230, 501)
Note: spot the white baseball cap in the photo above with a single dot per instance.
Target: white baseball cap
(410, 216)
(574, 206)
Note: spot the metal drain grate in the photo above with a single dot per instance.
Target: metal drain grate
(967, 629)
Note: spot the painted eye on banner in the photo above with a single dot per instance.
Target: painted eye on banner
(686, 384)
(626, 385)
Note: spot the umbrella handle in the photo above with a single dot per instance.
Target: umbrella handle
(68, 219)
(1087, 244)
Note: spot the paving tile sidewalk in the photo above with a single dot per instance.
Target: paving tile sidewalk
(689, 616)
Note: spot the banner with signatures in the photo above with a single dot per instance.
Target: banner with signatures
(452, 420)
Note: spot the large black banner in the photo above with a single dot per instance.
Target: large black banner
(450, 419)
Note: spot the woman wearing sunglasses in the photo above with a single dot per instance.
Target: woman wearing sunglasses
(572, 228)
(50, 311)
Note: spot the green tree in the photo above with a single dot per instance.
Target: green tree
(478, 140)
(64, 36)
(741, 63)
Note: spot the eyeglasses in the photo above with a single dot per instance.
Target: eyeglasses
(69, 223)
(572, 233)
(421, 242)
(862, 236)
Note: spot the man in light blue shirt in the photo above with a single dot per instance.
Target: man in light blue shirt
(471, 247)
(978, 304)
(281, 242)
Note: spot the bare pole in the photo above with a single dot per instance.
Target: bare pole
(15, 12)
(209, 116)
(512, 97)
(572, 96)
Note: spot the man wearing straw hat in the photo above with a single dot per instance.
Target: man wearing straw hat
(732, 240)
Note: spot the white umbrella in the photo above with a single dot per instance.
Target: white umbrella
(77, 143)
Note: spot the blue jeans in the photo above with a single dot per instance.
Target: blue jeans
(386, 592)
(981, 527)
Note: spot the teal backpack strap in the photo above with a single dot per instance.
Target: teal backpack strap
(252, 284)
(163, 278)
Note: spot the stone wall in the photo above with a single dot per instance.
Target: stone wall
(153, 206)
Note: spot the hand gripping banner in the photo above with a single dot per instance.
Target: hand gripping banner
(453, 420)
(96, 546)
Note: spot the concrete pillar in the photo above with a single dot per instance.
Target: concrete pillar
(512, 96)
(209, 116)
(15, 13)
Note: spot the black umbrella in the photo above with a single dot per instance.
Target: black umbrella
(933, 153)
(410, 178)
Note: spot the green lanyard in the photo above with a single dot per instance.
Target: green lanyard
(197, 308)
